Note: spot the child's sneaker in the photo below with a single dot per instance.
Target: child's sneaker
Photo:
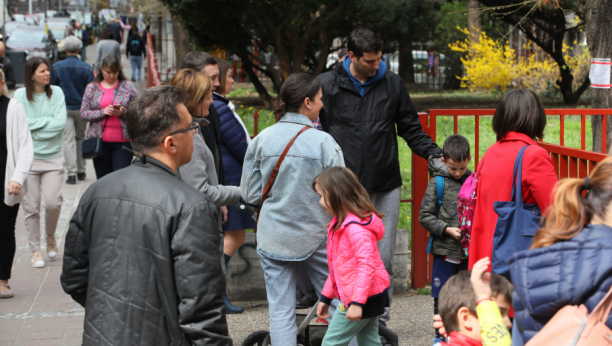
(438, 341)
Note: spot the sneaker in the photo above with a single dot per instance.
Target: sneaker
(51, 247)
(438, 341)
(81, 176)
(37, 260)
(133, 79)
(71, 180)
(307, 301)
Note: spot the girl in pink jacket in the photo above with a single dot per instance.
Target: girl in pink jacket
(357, 275)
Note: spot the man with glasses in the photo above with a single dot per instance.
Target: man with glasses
(147, 243)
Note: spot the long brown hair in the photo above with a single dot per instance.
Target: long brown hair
(223, 68)
(30, 69)
(576, 204)
(344, 194)
(114, 64)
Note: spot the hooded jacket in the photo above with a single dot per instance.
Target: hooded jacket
(443, 244)
(357, 275)
(142, 256)
(573, 272)
(366, 127)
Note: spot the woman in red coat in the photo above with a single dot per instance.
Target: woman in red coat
(518, 120)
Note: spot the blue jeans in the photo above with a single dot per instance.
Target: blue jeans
(136, 62)
(281, 278)
(114, 158)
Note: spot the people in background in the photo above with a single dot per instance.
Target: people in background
(135, 50)
(107, 45)
(7, 69)
(73, 76)
(16, 156)
(104, 106)
(45, 107)
(144, 245)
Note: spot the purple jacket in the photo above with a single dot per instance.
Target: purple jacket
(91, 111)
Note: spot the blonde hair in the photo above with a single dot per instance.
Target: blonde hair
(576, 203)
(4, 90)
(196, 86)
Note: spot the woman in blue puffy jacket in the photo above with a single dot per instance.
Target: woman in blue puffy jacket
(234, 142)
(570, 262)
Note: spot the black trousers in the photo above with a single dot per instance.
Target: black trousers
(8, 217)
(114, 158)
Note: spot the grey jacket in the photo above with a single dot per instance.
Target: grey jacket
(106, 47)
(142, 257)
(291, 222)
(200, 174)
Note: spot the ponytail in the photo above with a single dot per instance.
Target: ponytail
(576, 202)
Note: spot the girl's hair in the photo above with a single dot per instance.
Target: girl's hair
(5, 89)
(223, 68)
(196, 86)
(570, 211)
(114, 64)
(294, 91)
(344, 194)
(519, 110)
(30, 69)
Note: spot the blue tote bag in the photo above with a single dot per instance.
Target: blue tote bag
(517, 222)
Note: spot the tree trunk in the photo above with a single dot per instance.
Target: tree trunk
(182, 42)
(243, 54)
(474, 23)
(598, 33)
(406, 63)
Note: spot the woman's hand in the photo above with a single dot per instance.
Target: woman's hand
(224, 212)
(14, 188)
(481, 279)
(323, 310)
(354, 313)
(108, 111)
(119, 111)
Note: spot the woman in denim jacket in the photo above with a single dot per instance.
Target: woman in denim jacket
(292, 228)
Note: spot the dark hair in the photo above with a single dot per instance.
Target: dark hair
(570, 211)
(294, 91)
(519, 110)
(343, 193)
(223, 68)
(458, 292)
(107, 33)
(30, 69)
(152, 115)
(364, 40)
(456, 148)
(110, 61)
(197, 60)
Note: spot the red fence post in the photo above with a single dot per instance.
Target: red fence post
(420, 178)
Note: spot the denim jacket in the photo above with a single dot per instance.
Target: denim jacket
(292, 224)
(72, 75)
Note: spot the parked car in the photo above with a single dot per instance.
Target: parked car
(10, 26)
(34, 41)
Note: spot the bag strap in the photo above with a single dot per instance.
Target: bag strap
(268, 186)
(602, 310)
(517, 178)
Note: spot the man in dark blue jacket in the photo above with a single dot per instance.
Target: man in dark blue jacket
(73, 75)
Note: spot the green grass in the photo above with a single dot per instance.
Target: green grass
(424, 291)
(444, 128)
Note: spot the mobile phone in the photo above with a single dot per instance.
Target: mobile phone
(117, 107)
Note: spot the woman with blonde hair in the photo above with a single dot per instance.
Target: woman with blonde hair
(570, 261)
(201, 172)
(16, 155)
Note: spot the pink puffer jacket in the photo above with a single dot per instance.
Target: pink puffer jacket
(356, 271)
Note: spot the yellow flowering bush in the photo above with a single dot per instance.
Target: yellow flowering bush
(492, 65)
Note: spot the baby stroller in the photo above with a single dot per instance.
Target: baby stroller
(310, 331)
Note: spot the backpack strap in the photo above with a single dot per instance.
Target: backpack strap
(440, 194)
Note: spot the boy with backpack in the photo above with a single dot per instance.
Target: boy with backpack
(439, 214)
(135, 49)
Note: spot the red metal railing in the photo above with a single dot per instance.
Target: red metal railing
(568, 162)
(152, 67)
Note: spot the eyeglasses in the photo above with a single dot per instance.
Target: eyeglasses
(195, 127)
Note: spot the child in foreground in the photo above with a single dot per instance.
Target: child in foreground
(440, 216)
(474, 308)
(357, 275)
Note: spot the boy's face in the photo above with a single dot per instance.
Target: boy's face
(504, 308)
(456, 169)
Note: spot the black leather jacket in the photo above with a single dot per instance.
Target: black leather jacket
(365, 127)
(142, 255)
